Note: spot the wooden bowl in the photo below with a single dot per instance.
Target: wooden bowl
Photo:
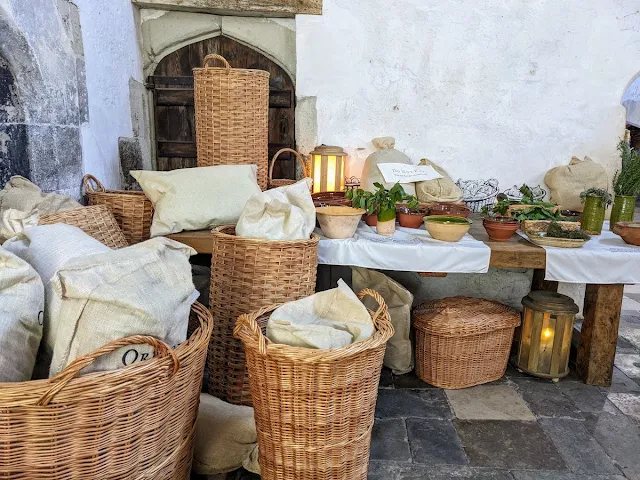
(629, 231)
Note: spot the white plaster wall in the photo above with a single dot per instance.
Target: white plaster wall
(500, 88)
(112, 57)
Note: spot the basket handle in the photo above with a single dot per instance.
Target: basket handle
(86, 182)
(298, 155)
(73, 369)
(382, 306)
(214, 56)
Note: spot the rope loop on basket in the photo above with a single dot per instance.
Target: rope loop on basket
(213, 56)
(74, 368)
(298, 155)
(88, 188)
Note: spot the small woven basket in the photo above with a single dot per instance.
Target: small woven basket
(247, 274)
(232, 116)
(462, 341)
(95, 220)
(132, 210)
(133, 423)
(283, 182)
(314, 409)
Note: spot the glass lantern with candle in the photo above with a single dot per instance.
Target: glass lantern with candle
(547, 329)
(327, 168)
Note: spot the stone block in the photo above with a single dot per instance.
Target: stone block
(389, 441)
(434, 442)
(412, 403)
(489, 402)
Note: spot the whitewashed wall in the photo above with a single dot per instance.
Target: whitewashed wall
(500, 88)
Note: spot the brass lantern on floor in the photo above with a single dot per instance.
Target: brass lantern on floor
(547, 328)
(327, 169)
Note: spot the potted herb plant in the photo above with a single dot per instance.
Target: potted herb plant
(409, 214)
(382, 202)
(596, 201)
(498, 225)
(626, 185)
(363, 199)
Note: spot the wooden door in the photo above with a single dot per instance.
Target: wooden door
(172, 84)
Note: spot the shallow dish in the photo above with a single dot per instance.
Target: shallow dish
(339, 222)
(447, 228)
(542, 240)
(629, 231)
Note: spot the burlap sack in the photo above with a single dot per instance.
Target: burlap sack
(47, 248)
(13, 222)
(567, 182)
(439, 190)
(386, 154)
(21, 317)
(329, 319)
(399, 355)
(144, 289)
(20, 194)
(226, 438)
(284, 213)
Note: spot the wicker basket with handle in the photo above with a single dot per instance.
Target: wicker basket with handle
(283, 182)
(247, 274)
(463, 341)
(314, 409)
(132, 209)
(133, 423)
(232, 116)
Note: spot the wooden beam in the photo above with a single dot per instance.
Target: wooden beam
(262, 8)
(539, 283)
(599, 335)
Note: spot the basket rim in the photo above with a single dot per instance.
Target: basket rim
(219, 232)
(242, 71)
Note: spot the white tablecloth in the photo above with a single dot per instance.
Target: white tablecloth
(604, 259)
(409, 250)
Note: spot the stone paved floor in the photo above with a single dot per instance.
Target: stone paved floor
(517, 428)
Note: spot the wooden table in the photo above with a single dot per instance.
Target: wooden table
(602, 303)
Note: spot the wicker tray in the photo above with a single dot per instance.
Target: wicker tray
(542, 240)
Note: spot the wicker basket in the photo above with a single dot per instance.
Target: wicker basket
(462, 341)
(283, 182)
(314, 409)
(247, 274)
(232, 116)
(132, 210)
(96, 221)
(133, 423)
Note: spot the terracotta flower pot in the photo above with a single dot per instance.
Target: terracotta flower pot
(371, 220)
(450, 209)
(410, 219)
(500, 230)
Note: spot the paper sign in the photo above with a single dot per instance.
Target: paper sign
(398, 172)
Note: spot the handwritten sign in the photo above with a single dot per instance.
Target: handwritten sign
(397, 172)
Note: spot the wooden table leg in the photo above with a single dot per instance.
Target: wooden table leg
(539, 283)
(599, 335)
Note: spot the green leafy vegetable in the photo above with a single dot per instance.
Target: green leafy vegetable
(382, 201)
(555, 230)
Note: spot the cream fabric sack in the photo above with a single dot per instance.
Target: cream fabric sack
(283, 213)
(47, 248)
(399, 353)
(439, 190)
(20, 194)
(225, 439)
(21, 317)
(144, 289)
(567, 182)
(329, 319)
(13, 222)
(386, 154)
(197, 198)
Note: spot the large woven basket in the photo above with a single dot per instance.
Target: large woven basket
(247, 274)
(283, 182)
(132, 209)
(462, 341)
(232, 116)
(314, 409)
(133, 423)
(95, 220)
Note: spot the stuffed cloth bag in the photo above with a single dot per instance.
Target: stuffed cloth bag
(20, 194)
(399, 354)
(439, 190)
(13, 222)
(567, 182)
(386, 153)
(283, 213)
(21, 317)
(144, 289)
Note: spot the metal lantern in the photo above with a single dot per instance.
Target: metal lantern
(547, 328)
(327, 169)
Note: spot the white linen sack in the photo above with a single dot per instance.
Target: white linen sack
(386, 153)
(47, 248)
(21, 311)
(144, 289)
(13, 222)
(329, 319)
(283, 213)
(21, 194)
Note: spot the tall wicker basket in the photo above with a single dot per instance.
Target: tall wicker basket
(232, 116)
(133, 423)
(132, 209)
(314, 409)
(247, 274)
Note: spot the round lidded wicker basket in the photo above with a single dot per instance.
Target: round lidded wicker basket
(283, 182)
(463, 341)
(247, 274)
(232, 116)
(314, 409)
(132, 423)
(132, 209)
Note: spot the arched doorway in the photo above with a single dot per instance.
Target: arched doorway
(172, 84)
(13, 133)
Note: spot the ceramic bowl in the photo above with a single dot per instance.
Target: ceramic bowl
(409, 219)
(447, 228)
(450, 210)
(500, 229)
(339, 222)
(629, 231)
